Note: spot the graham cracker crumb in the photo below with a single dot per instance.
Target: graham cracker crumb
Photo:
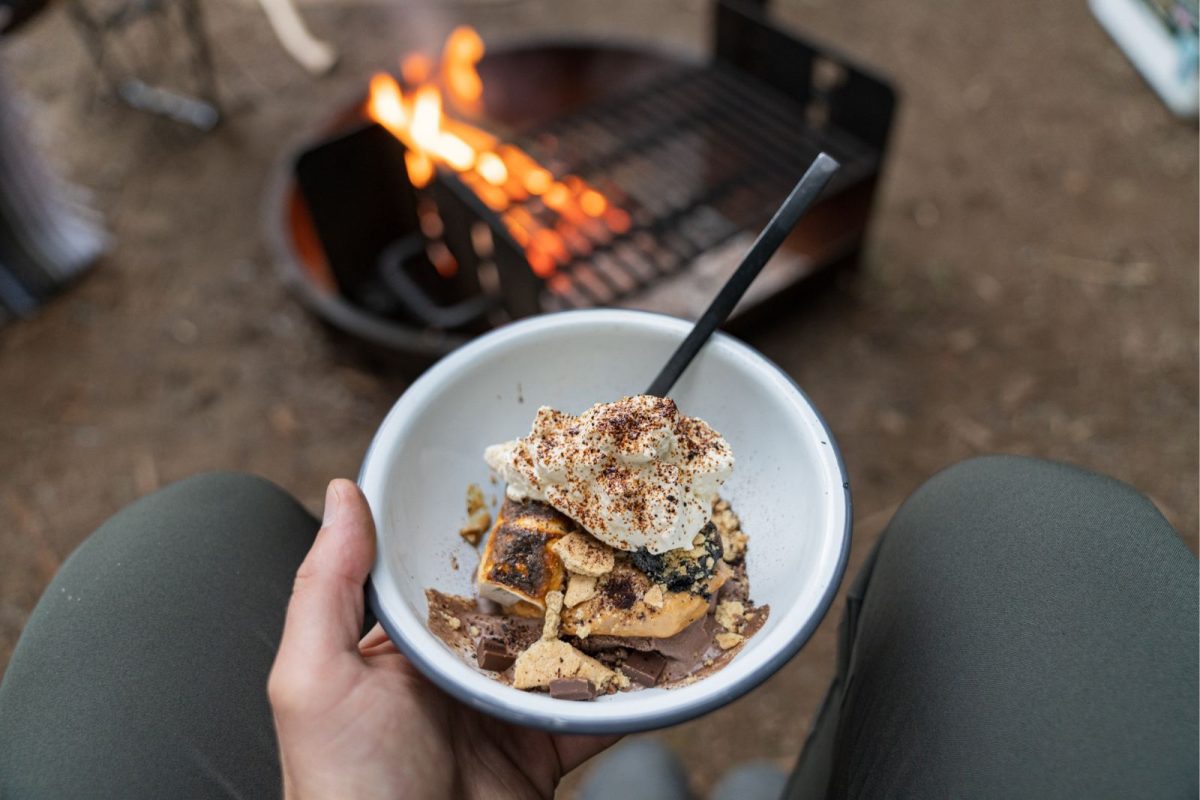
(583, 554)
(454, 622)
(583, 631)
(478, 517)
(554, 604)
(728, 640)
(474, 631)
(580, 589)
(474, 498)
(654, 597)
(729, 615)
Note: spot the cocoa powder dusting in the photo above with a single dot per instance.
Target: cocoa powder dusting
(620, 591)
(624, 471)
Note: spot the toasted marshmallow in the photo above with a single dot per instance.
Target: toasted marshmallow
(517, 563)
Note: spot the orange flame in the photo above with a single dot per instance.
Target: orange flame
(592, 202)
(387, 104)
(492, 168)
(538, 180)
(557, 197)
(461, 53)
(415, 69)
(420, 167)
(500, 174)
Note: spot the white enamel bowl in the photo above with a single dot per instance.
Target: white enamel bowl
(788, 485)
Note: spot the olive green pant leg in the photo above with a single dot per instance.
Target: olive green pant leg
(1025, 630)
(142, 671)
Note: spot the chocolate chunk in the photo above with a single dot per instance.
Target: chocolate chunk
(491, 654)
(516, 633)
(688, 649)
(690, 643)
(598, 643)
(644, 668)
(572, 689)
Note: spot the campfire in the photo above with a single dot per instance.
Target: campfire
(478, 187)
(565, 216)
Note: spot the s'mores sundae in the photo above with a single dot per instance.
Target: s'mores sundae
(613, 563)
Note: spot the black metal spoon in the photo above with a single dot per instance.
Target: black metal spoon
(801, 197)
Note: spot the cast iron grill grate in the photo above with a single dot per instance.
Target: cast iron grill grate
(693, 158)
(690, 159)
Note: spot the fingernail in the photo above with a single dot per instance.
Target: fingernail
(333, 501)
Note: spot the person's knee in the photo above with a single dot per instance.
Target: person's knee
(224, 485)
(1003, 474)
(1007, 484)
(1026, 503)
(200, 517)
(221, 496)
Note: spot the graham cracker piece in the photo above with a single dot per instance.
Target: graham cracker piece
(584, 554)
(580, 589)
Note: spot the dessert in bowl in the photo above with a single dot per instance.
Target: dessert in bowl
(788, 488)
(613, 565)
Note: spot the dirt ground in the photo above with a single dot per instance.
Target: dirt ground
(1030, 285)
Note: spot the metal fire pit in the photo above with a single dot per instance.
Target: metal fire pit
(697, 155)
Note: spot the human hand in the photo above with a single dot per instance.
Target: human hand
(356, 719)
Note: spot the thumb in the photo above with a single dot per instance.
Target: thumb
(325, 614)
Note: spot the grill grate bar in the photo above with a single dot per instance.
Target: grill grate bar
(694, 157)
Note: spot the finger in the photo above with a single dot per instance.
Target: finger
(374, 637)
(325, 614)
(384, 648)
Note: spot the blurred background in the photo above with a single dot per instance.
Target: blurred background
(1021, 277)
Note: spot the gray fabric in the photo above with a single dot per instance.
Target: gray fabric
(641, 769)
(142, 671)
(810, 778)
(757, 780)
(1026, 630)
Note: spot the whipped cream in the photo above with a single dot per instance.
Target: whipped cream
(635, 473)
